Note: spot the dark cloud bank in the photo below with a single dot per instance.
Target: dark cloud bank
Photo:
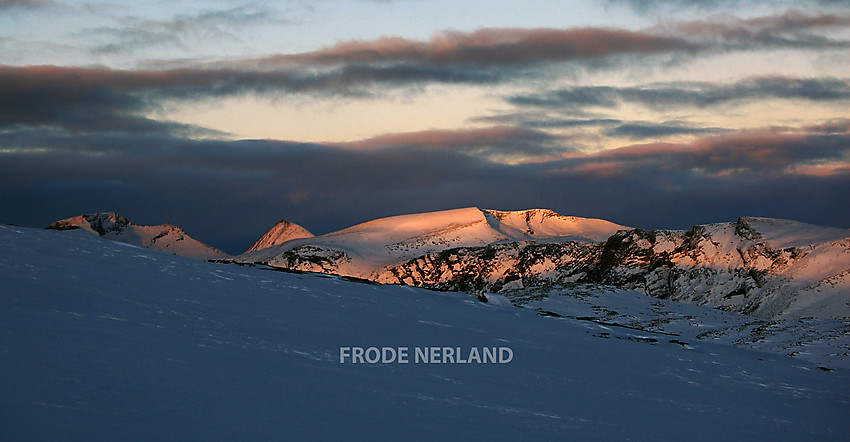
(228, 192)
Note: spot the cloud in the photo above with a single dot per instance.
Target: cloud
(644, 129)
(492, 47)
(598, 128)
(80, 98)
(791, 29)
(663, 96)
(769, 151)
(539, 120)
(511, 47)
(101, 98)
(24, 4)
(92, 98)
(498, 143)
(645, 6)
(181, 30)
(134, 90)
(837, 125)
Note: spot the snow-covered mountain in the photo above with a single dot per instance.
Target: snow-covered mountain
(101, 340)
(765, 267)
(164, 237)
(760, 266)
(366, 249)
(282, 232)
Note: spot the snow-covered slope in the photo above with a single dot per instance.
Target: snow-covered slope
(365, 249)
(282, 232)
(550, 226)
(823, 341)
(104, 341)
(164, 237)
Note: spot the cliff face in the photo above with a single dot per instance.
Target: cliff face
(758, 266)
(496, 267)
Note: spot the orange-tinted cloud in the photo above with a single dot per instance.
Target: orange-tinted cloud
(489, 47)
(511, 46)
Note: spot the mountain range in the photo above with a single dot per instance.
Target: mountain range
(765, 267)
(367, 249)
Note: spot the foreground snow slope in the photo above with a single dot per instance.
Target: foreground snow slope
(163, 237)
(102, 340)
(363, 250)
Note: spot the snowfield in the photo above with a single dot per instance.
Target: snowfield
(105, 341)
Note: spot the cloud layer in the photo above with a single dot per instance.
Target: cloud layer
(82, 98)
(81, 139)
(248, 185)
(683, 94)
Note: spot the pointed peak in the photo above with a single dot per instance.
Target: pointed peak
(281, 232)
(745, 230)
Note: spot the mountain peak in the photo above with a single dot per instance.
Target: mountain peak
(282, 232)
(166, 237)
(98, 223)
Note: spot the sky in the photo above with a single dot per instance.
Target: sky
(226, 116)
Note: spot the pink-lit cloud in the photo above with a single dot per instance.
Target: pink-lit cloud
(489, 47)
